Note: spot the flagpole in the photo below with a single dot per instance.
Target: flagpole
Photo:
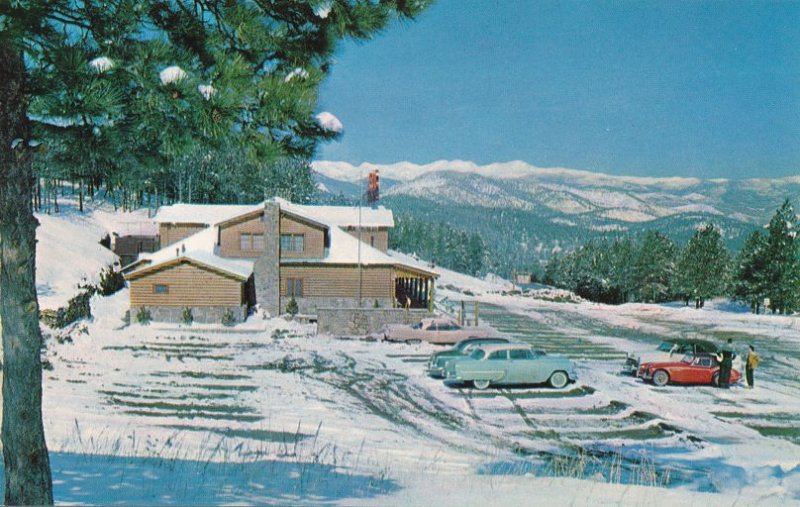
(360, 198)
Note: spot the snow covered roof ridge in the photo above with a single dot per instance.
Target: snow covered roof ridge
(200, 247)
(205, 214)
(338, 216)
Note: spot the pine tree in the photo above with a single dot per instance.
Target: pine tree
(654, 267)
(149, 80)
(748, 285)
(782, 251)
(703, 266)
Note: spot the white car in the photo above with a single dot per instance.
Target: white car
(437, 330)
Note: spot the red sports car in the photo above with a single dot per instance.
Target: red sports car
(699, 369)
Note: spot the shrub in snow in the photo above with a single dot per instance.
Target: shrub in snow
(143, 316)
(126, 319)
(111, 281)
(228, 318)
(291, 307)
(186, 316)
(329, 122)
(77, 308)
(172, 74)
(376, 304)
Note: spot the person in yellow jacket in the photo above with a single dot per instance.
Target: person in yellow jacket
(752, 363)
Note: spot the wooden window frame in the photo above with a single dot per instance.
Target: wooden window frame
(292, 240)
(292, 285)
(247, 242)
(164, 287)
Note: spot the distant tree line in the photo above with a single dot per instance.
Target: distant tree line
(652, 268)
(226, 174)
(440, 243)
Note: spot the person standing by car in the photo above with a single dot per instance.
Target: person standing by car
(750, 365)
(725, 358)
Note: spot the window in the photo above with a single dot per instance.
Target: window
(520, 354)
(477, 354)
(160, 289)
(294, 287)
(293, 243)
(258, 242)
(499, 355)
(286, 242)
(249, 241)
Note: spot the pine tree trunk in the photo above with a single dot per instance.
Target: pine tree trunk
(27, 465)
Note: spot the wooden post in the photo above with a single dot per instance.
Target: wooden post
(476, 313)
(430, 296)
(461, 314)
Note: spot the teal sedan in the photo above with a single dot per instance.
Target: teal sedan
(510, 364)
(462, 349)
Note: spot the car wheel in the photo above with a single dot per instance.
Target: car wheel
(558, 379)
(660, 378)
(480, 384)
(715, 379)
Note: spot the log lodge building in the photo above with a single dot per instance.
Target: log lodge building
(219, 258)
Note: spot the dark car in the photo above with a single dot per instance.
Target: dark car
(438, 360)
(668, 350)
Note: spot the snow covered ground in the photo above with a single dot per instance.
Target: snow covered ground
(270, 412)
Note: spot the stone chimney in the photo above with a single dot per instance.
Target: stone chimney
(267, 266)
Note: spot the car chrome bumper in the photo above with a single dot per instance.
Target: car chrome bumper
(436, 371)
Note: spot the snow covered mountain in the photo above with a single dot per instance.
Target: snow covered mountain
(531, 212)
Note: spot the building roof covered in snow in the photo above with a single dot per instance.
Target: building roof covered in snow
(207, 214)
(198, 248)
(341, 216)
(212, 214)
(201, 247)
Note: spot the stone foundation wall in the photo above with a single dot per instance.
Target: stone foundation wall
(363, 321)
(311, 305)
(201, 314)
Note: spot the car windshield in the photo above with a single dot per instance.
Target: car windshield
(666, 346)
(477, 354)
(462, 346)
(417, 326)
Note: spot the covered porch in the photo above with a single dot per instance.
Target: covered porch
(413, 289)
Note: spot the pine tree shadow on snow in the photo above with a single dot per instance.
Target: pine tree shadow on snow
(90, 479)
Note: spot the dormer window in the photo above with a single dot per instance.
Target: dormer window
(293, 243)
(251, 242)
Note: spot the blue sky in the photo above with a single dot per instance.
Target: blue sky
(708, 89)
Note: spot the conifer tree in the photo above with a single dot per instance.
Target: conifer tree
(654, 267)
(702, 270)
(748, 285)
(782, 251)
(146, 80)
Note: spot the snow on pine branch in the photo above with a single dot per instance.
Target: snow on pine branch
(172, 74)
(207, 91)
(329, 122)
(101, 64)
(296, 73)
